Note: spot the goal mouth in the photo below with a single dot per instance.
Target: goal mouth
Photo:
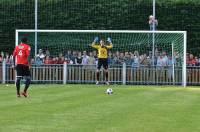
(150, 43)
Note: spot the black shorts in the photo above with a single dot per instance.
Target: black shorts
(23, 70)
(104, 62)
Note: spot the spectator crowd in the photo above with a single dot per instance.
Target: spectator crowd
(134, 59)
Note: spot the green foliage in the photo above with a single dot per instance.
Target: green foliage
(96, 14)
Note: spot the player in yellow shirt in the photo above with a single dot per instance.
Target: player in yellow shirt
(102, 56)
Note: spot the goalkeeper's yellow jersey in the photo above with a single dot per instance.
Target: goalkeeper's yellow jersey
(102, 51)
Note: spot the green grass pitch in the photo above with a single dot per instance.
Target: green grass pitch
(86, 108)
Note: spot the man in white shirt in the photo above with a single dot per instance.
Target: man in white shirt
(85, 59)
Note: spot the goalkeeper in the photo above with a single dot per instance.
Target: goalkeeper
(102, 56)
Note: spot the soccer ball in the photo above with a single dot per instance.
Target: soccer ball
(109, 91)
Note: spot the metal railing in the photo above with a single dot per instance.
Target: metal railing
(118, 74)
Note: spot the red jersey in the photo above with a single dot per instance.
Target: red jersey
(21, 54)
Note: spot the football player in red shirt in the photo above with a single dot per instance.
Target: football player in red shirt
(21, 57)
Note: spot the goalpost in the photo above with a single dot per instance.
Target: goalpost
(60, 41)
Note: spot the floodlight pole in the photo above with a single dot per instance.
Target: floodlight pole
(36, 24)
(153, 38)
(154, 13)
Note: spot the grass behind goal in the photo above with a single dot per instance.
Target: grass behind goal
(86, 108)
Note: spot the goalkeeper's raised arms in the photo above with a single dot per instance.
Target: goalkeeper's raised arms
(96, 43)
(96, 39)
(102, 45)
(109, 40)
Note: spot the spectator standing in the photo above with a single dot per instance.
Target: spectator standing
(127, 58)
(135, 60)
(153, 23)
(68, 55)
(95, 54)
(85, 58)
(91, 63)
(38, 61)
(91, 59)
(160, 62)
(73, 57)
(165, 58)
(61, 60)
(47, 53)
(48, 60)
(191, 61)
(144, 61)
(78, 59)
(121, 58)
(116, 58)
(110, 59)
(7, 58)
(170, 63)
(40, 54)
(32, 61)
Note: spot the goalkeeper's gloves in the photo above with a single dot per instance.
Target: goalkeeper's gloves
(109, 40)
(96, 39)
